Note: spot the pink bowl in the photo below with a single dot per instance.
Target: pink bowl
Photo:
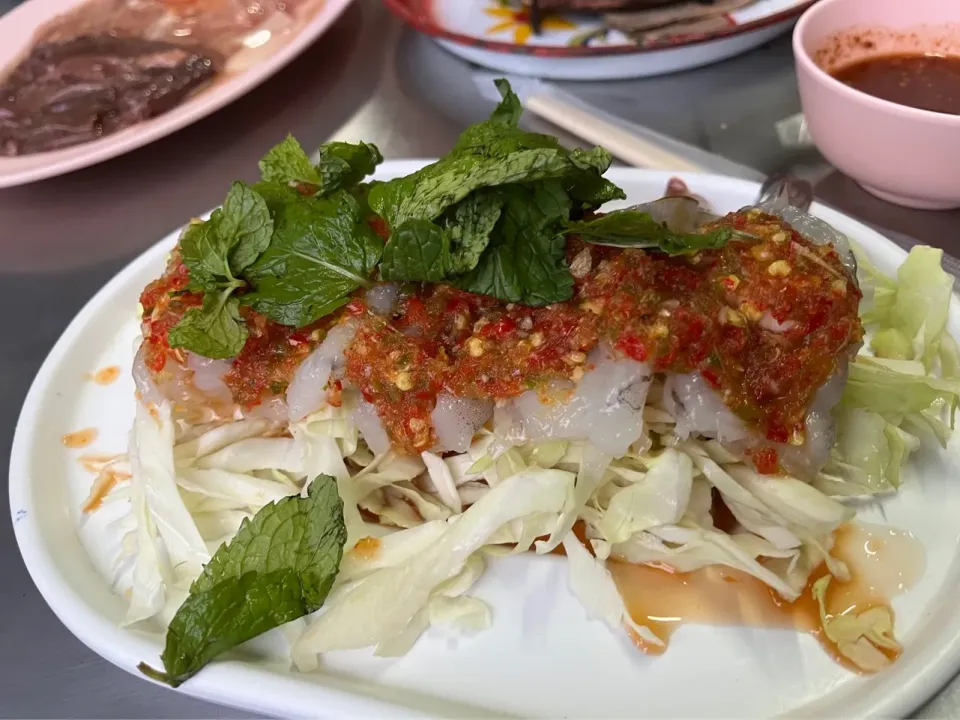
(906, 156)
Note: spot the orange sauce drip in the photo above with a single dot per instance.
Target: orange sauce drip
(883, 562)
(80, 438)
(95, 463)
(366, 548)
(648, 648)
(105, 376)
(105, 482)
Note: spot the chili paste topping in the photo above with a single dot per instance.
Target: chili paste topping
(766, 319)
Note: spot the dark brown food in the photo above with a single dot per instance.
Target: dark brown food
(222, 26)
(599, 5)
(669, 33)
(927, 82)
(682, 12)
(75, 91)
(649, 22)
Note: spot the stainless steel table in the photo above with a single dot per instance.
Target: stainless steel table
(366, 79)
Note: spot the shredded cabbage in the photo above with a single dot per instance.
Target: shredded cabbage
(595, 588)
(911, 313)
(659, 497)
(908, 389)
(160, 514)
(861, 637)
(381, 606)
(873, 451)
(156, 478)
(442, 481)
(688, 549)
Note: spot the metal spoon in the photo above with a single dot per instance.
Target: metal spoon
(786, 190)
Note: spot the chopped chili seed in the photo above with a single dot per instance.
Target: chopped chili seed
(499, 329)
(634, 347)
(711, 377)
(356, 307)
(379, 226)
(766, 461)
(335, 393)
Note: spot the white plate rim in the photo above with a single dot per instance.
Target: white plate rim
(23, 169)
(662, 61)
(430, 26)
(233, 683)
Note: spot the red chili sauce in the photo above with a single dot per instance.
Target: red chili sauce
(927, 82)
(268, 359)
(765, 320)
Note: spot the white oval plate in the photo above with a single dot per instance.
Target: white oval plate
(621, 67)
(17, 29)
(542, 656)
(479, 31)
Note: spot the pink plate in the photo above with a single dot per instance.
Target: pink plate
(17, 29)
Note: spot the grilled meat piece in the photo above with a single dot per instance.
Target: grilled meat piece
(598, 5)
(679, 17)
(71, 92)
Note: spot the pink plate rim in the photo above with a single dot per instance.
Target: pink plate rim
(25, 18)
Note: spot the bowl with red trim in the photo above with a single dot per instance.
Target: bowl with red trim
(573, 46)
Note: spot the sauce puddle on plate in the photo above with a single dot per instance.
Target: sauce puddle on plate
(105, 482)
(80, 438)
(105, 376)
(923, 81)
(883, 562)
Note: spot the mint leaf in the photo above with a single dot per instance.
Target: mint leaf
(418, 251)
(501, 133)
(586, 184)
(322, 250)
(276, 195)
(343, 165)
(279, 567)
(526, 260)
(635, 229)
(286, 163)
(216, 252)
(214, 330)
(490, 217)
(492, 154)
(469, 225)
(509, 110)
(219, 249)
(245, 226)
(202, 251)
(453, 213)
(428, 192)
(422, 251)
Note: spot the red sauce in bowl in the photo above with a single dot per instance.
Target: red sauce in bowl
(923, 81)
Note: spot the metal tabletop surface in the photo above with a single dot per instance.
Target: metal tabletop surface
(367, 78)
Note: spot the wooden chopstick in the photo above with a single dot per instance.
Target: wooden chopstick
(622, 143)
